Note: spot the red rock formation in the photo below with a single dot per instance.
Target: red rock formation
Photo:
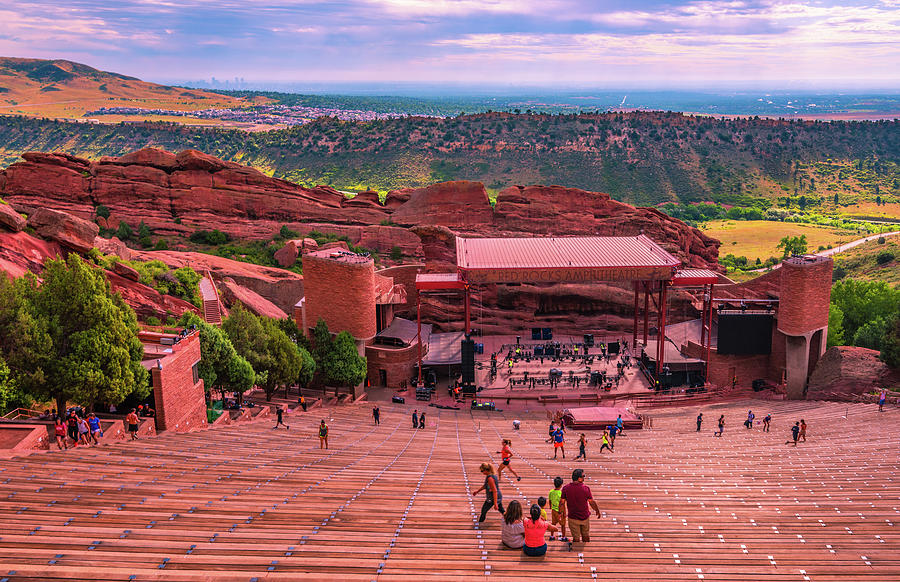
(112, 246)
(283, 288)
(21, 252)
(453, 204)
(844, 372)
(287, 255)
(70, 231)
(10, 219)
(232, 293)
(205, 193)
(126, 272)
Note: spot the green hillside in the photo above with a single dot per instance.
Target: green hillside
(642, 158)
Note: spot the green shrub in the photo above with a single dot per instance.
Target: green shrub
(884, 257)
(151, 320)
(287, 233)
(213, 237)
(124, 231)
(396, 253)
(102, 211)
(881, 240)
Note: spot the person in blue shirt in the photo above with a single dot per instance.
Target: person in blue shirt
(559, 442)
(620, 426)
(95, 430)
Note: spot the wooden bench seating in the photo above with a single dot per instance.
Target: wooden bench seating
(244, 502)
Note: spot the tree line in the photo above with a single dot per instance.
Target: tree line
(66, 337)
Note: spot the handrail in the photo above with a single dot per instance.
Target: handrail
(18, 413)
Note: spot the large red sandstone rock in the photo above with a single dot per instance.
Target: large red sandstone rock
(287, 255)
(21, 252)
(459, 204)
(112, 246)
(127, 272)
(10, 219)
(281, 287)
(147, 301)
(844, 372)
(233, 293)
(149, 157)
(68, 230)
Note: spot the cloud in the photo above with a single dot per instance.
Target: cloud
(533, 41)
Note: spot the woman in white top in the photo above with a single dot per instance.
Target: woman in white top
(512, 533)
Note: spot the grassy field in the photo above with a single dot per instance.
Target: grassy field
(862, 262)
(759, 238)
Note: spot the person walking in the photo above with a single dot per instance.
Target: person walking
(132, 421)
(59, 430)
(620, 424)
(699, 421)
(535, 527)
(422, 420)
(415, 419)
(376, 414)
(749, 422)
(506, 455)
(802, 430)
(795, 433)
(575, 506)
(492, 496)
(279, 418)
(882, 398)
(582, 443)
(604, 441)
(612, 436)
(95, 430)
(72, 427)
(323, 435)
(303, 403)
(721, 426)
(766, 420)
(559, 442)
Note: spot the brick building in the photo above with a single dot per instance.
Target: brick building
(343, 288)
(796, 299)
(178, 391)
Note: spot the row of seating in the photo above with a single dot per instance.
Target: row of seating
(386, 502)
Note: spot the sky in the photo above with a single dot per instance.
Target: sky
(547, 43)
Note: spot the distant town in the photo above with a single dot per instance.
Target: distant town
(264, 114)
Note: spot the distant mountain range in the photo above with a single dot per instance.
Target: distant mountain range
(61, 88)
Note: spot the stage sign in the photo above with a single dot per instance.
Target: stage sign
(564, 275)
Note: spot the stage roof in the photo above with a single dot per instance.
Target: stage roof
(563, 259)
(695, 277)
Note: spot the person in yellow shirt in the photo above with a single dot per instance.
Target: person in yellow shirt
(556, 517)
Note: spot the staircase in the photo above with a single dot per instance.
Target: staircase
(212, 308)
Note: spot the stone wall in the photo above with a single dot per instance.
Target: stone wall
(180, 401)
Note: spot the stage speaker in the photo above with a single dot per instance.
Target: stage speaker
(612, 347)
(479, 348)
(588, 340)
(538, 351)
(535, 333)
(596, 378)
(468, 361)
(546, 333)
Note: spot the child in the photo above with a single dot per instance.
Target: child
(582, 442)
(555, 516)
(542, 503)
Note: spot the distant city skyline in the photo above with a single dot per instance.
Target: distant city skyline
(840, 44)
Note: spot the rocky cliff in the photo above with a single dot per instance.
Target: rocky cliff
(177, 194)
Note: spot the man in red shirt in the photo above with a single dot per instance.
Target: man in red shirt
(574, 503)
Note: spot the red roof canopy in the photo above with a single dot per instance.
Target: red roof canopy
(563, 259)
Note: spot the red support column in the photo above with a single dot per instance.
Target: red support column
(661, 335)
(646, 311)
(419, 336)
(636, 308)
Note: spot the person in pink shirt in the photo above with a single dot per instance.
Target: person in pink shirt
(534, 533)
